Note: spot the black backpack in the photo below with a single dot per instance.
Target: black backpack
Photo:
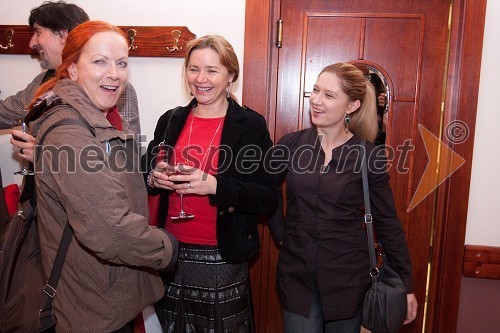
(25, 295)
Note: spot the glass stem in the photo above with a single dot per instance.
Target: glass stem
(181, 197)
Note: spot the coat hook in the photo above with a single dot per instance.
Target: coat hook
(9, 33)
(176, 34)
(132, 33)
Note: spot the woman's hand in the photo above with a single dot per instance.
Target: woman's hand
(193, 181)
(411, 313)
(25, 142)
(183, 179)
(381, 99)
(159, 176)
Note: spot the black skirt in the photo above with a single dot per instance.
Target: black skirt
(205, 294)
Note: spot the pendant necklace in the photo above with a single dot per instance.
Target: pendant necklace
(206, 153)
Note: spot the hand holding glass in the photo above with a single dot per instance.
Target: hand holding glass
(181, 169)
(19, 122)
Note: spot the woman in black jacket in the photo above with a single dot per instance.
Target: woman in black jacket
(212, 152)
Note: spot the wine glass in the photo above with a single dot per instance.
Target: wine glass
(18, 123)
(181, 169)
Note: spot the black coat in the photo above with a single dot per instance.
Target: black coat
(241, 195)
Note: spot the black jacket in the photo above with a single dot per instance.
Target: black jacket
(241, 194)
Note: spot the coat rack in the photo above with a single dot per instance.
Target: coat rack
(144, 41)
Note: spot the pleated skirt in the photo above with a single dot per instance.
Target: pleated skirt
(205, 294)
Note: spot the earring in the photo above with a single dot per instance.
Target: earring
(190, 93)
(228, 91)
(347, 120)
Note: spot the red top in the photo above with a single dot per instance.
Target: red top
(114, 118)
(199, 134)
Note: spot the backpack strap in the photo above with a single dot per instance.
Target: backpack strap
(47, 318)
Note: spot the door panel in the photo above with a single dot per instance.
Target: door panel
(408, 45)
(401, 60)
(322, 45)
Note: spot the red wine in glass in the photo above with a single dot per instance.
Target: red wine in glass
(183, 215)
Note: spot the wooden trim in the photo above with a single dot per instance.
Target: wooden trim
(260, 68)
(452, 196)
(149, 41)
(481, 262)
(260, 59)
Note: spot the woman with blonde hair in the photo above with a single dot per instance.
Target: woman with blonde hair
(213, 172)
(323, 266)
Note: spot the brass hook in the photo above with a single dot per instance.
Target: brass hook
(132, 33)
(176, 34)
(9, 33)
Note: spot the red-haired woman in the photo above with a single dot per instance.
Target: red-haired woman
(87, 176)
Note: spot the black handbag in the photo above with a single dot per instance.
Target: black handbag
(385, 303)
(25, 295)
(23, 286)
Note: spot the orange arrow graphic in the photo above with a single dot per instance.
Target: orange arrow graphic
(441, 166)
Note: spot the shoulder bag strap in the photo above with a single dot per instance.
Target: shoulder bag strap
(368, 215)
(50, 288)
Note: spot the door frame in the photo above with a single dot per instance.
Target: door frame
(260, 67)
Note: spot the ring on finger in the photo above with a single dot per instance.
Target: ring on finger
(188, 185)
(21, 151)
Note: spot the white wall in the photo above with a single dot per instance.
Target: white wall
(480, 298)
(156, 80)
(483, 222)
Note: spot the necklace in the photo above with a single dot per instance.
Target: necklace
(206, 153)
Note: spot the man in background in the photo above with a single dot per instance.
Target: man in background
(51, 23)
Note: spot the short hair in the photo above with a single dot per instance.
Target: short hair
(220, 45)
(57, 16)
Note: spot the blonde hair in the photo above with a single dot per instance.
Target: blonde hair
(220, 45)
(353, 83)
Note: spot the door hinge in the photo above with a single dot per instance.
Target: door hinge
(279, 33)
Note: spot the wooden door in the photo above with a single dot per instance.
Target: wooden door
(408, 45)
(407, 42)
